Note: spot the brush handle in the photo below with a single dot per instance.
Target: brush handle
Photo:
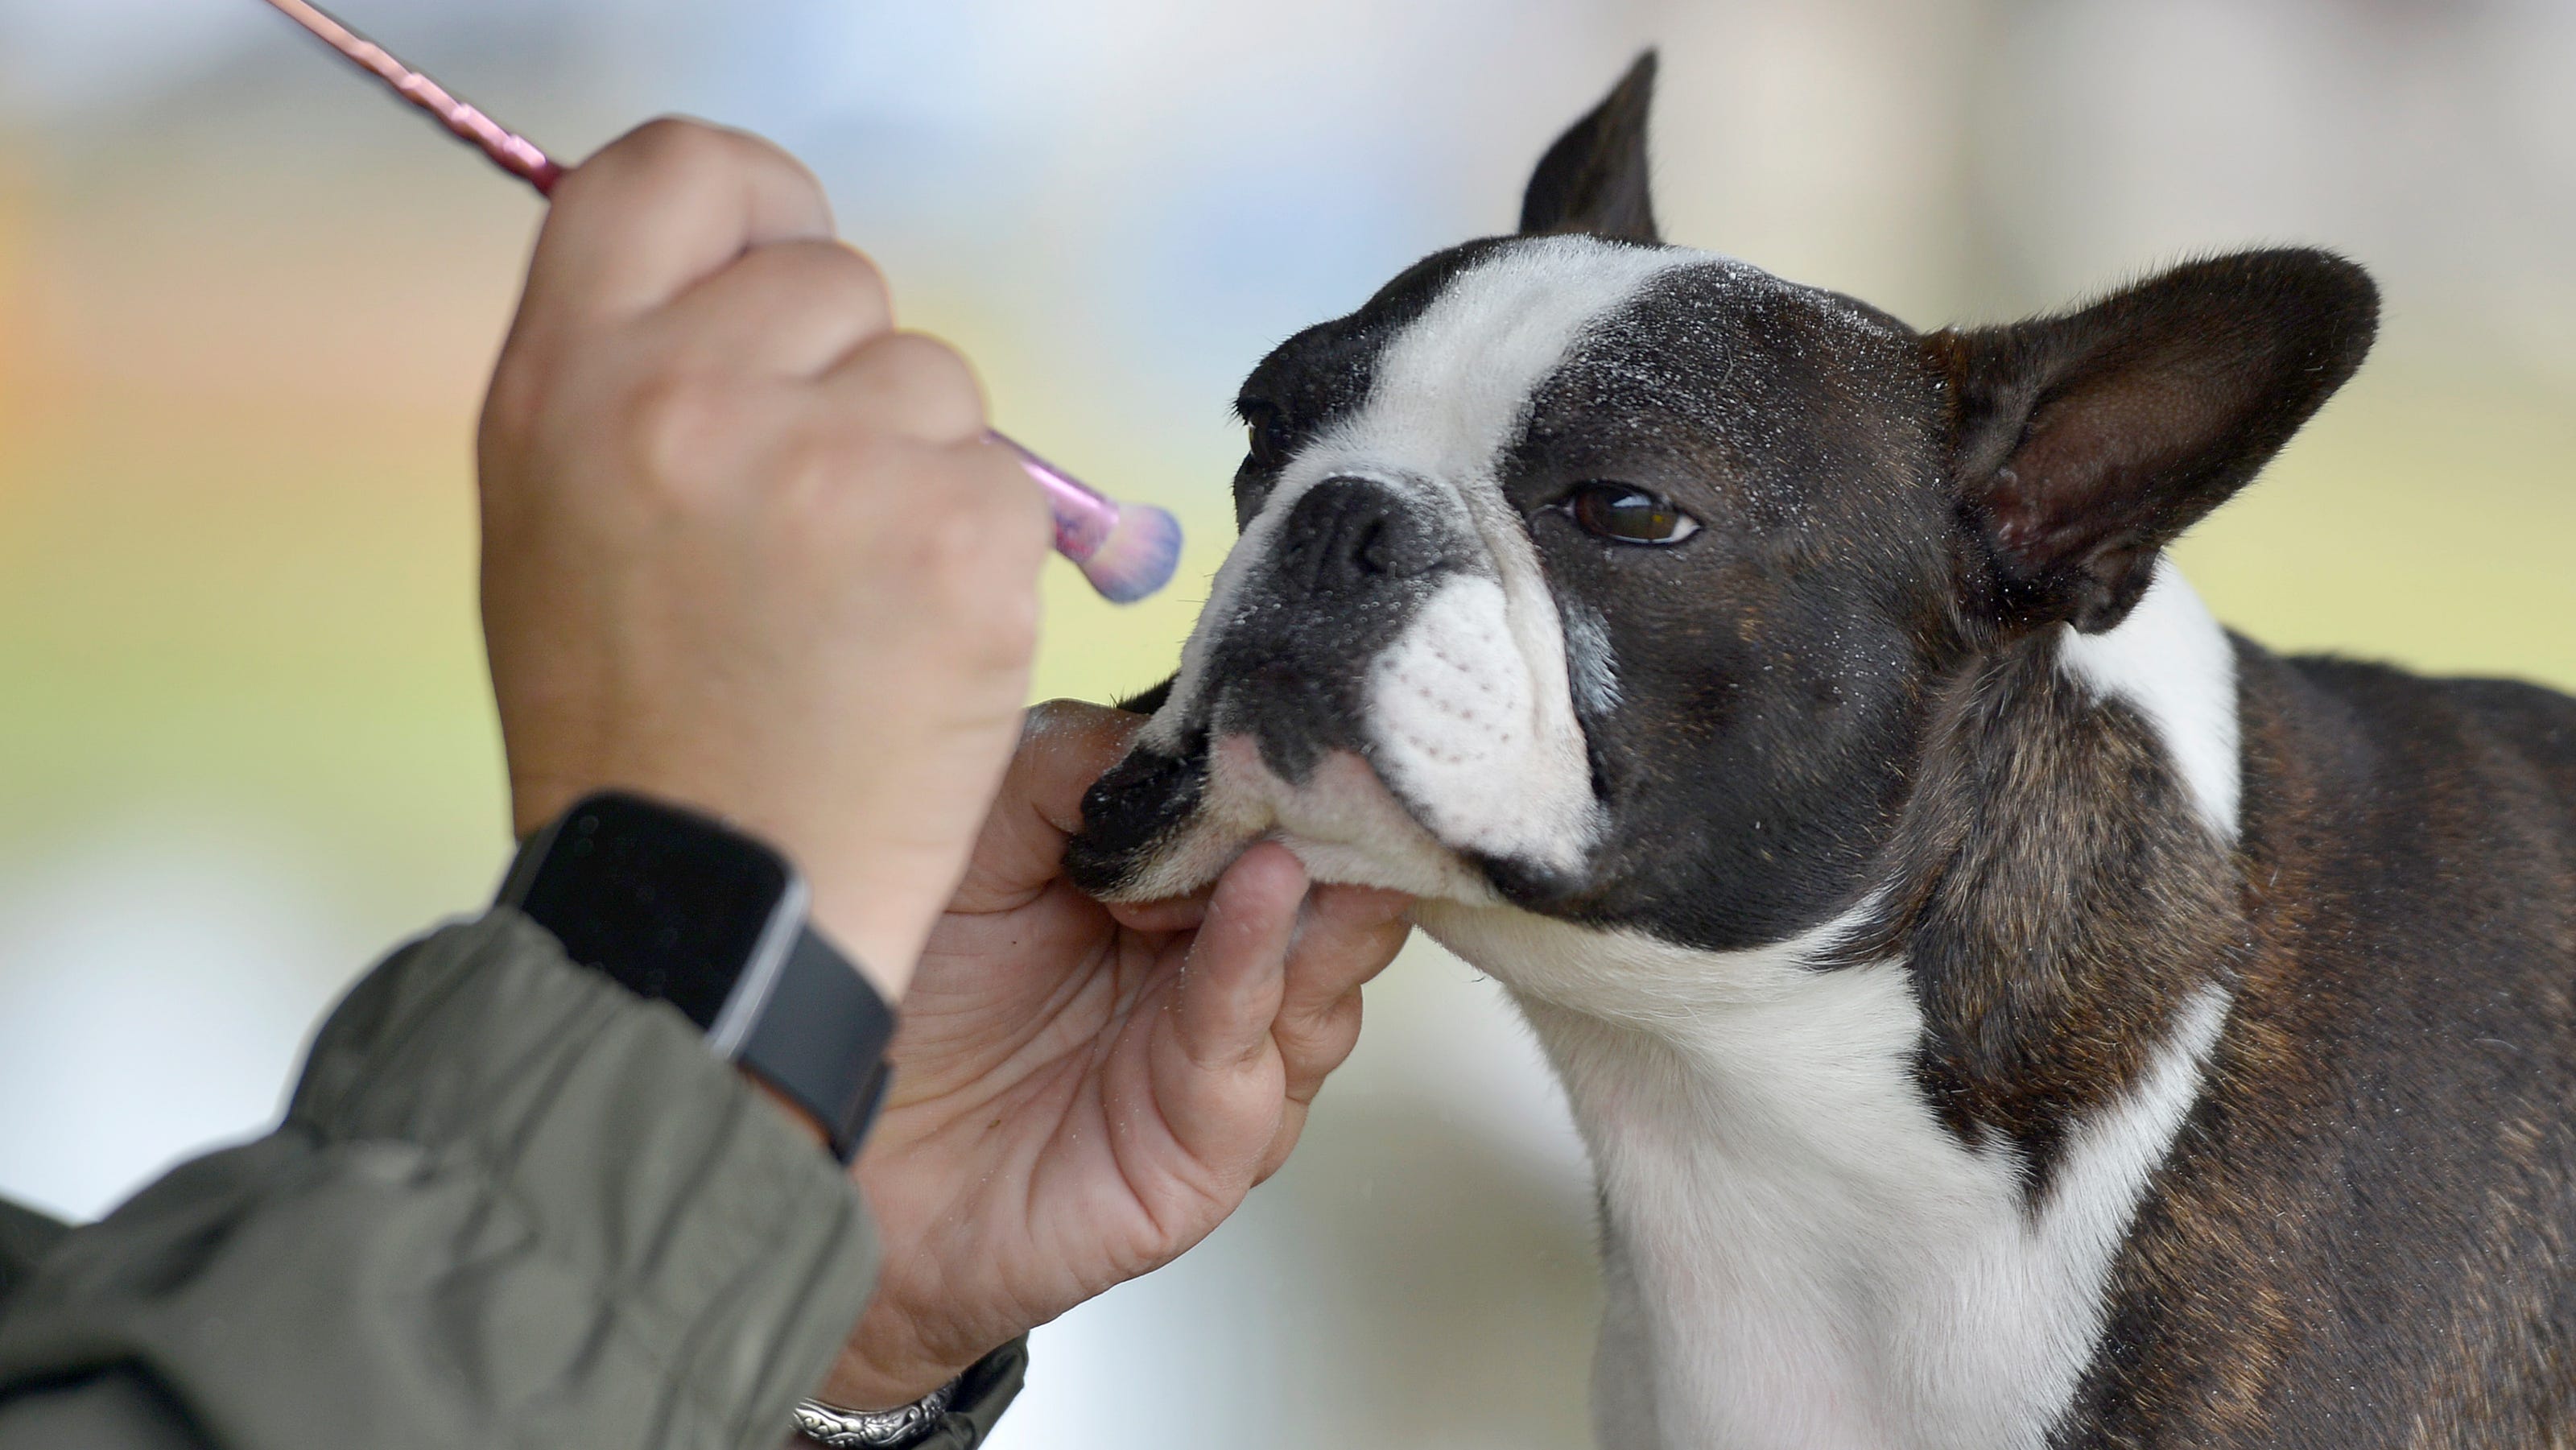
(508, 149)
(1084, 518)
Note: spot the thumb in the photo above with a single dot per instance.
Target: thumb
(1219, 1087)
(1065, 745)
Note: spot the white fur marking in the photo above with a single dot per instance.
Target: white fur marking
(1454, 389)
(1588, 660)
(1815, 1260)
(2172, 663)
(1462, 733)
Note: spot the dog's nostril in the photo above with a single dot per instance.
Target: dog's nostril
(1348, 532)
(1398, 549)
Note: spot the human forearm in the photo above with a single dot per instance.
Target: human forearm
(510, 1205)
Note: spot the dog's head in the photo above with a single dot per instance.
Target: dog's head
(1610, 579)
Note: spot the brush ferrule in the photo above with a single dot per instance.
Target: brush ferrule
(1083, 518)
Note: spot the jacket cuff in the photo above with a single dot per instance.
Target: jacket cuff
(984, 1391)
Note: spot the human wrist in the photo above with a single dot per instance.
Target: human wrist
(872, 922)
(859, 1381)
(862, 905)
(685, 909)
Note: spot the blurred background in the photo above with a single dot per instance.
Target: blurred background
(246, 305)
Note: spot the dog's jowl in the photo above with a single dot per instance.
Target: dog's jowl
(2003, 1008)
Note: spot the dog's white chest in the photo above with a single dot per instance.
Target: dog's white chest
(1797, 1253)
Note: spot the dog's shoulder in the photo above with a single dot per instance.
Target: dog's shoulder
(2376, 720)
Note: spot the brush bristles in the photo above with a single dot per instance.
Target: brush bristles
(1138, 557)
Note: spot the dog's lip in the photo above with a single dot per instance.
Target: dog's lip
(1238, 754)
(1343, 820)
(1342, 781)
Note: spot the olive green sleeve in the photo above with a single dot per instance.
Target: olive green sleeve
(509, 1205)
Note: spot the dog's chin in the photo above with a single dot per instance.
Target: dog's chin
(1342, 822)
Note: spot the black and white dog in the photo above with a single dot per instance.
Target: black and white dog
(2003, 1008)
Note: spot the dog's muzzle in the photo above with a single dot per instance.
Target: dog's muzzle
(1287, 662)
(1347, 570)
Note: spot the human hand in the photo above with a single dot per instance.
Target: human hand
(744, 545)
(1081, 1092)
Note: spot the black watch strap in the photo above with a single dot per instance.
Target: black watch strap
(820, 1040)
(680, 908)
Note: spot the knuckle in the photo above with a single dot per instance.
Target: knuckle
(844, 281)
(928, 385)
(759, 153)
(1321, 1040)
(679, 423)
(668, 162)
(934, 363)
(862, 269)
(673, 148)
(949, 377)
(679, 161)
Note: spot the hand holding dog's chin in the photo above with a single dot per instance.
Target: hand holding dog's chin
(1077, 1101)
(745, 546)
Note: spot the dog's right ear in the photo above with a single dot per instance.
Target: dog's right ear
(2082, 444)
(1593, 180)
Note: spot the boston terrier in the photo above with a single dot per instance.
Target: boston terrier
(2002, 1008)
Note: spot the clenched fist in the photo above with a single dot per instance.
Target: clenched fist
(745, 547)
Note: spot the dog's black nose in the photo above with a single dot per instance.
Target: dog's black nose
(1352, 533)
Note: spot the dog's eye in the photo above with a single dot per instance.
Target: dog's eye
(1616, 511)
(1266, 432)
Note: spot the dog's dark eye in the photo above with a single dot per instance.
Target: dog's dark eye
(1616, 511)
(1266, 432)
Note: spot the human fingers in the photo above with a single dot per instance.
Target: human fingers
(1216, 1093)
(668, 203)
(910, 385)
(1346, 935)
(1178, 913)
(1064, 746)
(790, 309)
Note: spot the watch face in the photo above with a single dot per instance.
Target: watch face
(668, 905)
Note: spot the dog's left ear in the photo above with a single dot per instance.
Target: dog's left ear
(2082, 444)
(1593, 180)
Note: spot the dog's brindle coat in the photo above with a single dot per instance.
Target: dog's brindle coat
(2002, 1008)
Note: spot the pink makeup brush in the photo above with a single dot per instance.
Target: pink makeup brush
(1127, 551)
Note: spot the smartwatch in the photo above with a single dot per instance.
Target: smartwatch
(678, 908)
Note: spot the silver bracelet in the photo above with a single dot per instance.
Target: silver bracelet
(873, 1429)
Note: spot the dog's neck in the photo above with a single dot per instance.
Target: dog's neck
(1865, 1186)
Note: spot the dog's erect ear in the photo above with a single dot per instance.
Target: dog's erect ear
(1593, 179)
(2082, 444)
